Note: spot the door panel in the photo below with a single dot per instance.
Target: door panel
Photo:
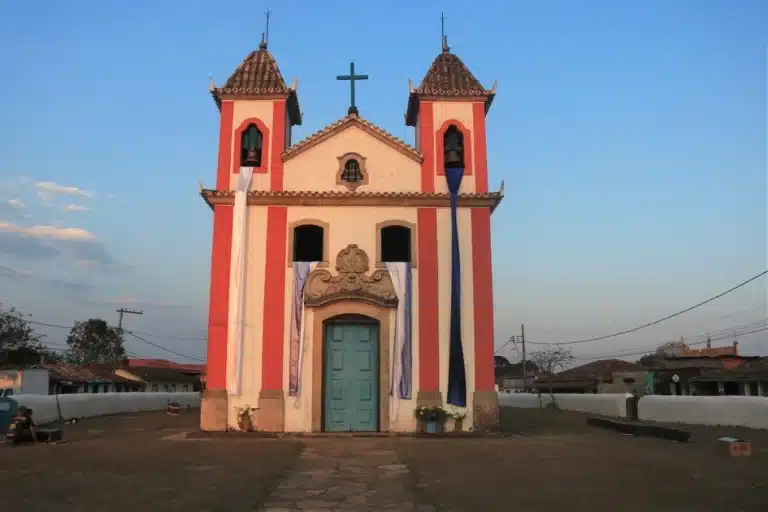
(351, 378)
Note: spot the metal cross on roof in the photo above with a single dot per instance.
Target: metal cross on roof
(352, 77)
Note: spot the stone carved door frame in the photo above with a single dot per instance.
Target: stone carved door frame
(351, 291)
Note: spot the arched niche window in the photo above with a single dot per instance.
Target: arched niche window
(309, 242)
(453, 148)
(352, 172)
(251, 145)
(396, 242)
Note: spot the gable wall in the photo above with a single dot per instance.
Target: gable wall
(316, 168)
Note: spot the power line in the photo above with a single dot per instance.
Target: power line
(44, 324)
(702, 342)
(655, 322)
(132, 333)
(163, 348)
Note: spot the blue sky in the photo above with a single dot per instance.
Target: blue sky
(630, 136)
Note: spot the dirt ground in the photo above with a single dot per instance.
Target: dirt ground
(551, 461)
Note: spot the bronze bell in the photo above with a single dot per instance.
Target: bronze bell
(452, 157)
(253, 156)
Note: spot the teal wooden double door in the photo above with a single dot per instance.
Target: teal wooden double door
(351, 378)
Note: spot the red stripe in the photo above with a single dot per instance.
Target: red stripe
(429, 348)
(483, 298)
(426, 129)
(481, 158)
(274, 299)
(278, 146)
(218, 308)
(225, 144)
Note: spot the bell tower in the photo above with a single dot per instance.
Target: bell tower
(448, 111)
(257, 112)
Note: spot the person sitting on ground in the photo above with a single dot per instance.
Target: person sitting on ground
(22, 428)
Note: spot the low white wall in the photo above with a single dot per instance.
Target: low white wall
(734, 411)
(606, 404)
(86, 405)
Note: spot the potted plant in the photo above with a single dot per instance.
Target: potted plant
(245, 418)
(458, 414)
(431, 419)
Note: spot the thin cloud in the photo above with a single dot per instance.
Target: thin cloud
(46, 242)
(33, 278)
(134, 302)
(75, 208)
(54, 188)
(15, 203)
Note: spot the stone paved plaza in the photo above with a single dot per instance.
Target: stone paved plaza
(549, 462)
(331, 474)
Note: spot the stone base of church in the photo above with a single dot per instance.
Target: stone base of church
(213, 410)
(271, 410)
(429, 399)
(485, 410)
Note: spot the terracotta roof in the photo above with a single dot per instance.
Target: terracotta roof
(350, 121)
(602, 369)
(83, 374)
(258, 75)
(164, 363)
(447, 77)
(161, 375)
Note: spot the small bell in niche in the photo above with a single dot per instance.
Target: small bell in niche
(253, 157)
(453, 145)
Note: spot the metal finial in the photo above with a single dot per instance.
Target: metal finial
(267, 13)
(443, 37)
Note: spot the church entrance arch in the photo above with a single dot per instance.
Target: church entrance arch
(352, 320)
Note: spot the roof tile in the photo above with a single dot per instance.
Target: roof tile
(257, 74)
(449, 76)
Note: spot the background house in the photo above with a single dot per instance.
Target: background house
(160, 379)
(193, 370)
(595, 377)
(509, 376)
(68, 379)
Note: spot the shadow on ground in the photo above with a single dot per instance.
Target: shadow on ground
(557, 463)
(550, 462)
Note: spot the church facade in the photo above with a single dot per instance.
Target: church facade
(351, 276)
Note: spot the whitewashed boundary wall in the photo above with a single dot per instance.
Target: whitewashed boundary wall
(87, 405)
(732, 411)
(607, 404)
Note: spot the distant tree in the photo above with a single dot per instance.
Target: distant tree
(15, 332)
(95, 342)
(650, 360)
(500, 361)
(20, 345)
(551, 361)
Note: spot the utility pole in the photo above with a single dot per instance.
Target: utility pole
(123, 311)
(525, 374)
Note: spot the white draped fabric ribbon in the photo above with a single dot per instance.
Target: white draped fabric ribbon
(301, 271)
(400, 386)
(236, 319)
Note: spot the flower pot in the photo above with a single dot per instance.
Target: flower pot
(458, 424)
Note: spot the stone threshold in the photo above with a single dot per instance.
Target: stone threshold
(344, 435)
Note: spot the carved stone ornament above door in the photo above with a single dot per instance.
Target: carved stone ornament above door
(352, 282)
